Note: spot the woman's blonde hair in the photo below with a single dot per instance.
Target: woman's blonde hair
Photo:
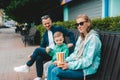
(84, 16)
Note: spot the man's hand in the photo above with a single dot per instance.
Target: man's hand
(70, 45)
(29, 56)
(47, 49)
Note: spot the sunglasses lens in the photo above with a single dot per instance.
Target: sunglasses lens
(81, 23)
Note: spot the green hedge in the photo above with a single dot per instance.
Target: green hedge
(106, 24)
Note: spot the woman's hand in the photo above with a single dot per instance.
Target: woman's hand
(64, 66)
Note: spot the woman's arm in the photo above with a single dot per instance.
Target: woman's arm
(92, 50)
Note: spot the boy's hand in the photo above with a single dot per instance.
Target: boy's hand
(55, 62)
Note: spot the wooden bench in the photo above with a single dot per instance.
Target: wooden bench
(109, 68)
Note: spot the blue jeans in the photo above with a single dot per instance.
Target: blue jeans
(56, 73)
(39, 55)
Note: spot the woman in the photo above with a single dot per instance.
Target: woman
(85, 59)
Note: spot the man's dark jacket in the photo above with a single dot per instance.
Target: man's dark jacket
(66, 32)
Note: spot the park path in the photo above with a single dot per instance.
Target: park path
(14, 53)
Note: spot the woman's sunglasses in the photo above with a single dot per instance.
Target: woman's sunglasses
(81, 23)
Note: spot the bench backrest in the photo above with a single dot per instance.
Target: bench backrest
(32, 31)
(34, 34)
(110, 57)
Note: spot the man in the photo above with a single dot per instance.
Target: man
(39, 55)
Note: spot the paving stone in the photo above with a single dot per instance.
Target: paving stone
(14, 53)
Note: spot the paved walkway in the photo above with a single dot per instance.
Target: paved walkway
(13, 53)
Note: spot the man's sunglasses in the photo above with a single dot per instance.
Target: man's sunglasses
(45, 17)
(81, 23)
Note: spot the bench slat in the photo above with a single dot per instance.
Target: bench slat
(116, 70)
(111, 57)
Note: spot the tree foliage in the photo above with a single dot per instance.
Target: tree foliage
(28, 10)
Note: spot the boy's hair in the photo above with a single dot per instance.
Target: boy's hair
(58, 34)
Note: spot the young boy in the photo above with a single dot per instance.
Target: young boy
(59, 47)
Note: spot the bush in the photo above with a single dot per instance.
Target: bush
(41, 29)
(105, 24)
(66, 24)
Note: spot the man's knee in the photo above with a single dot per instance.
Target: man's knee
(39, 59)
(40, 50)
(37, 49)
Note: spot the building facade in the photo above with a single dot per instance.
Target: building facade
(93, 8)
